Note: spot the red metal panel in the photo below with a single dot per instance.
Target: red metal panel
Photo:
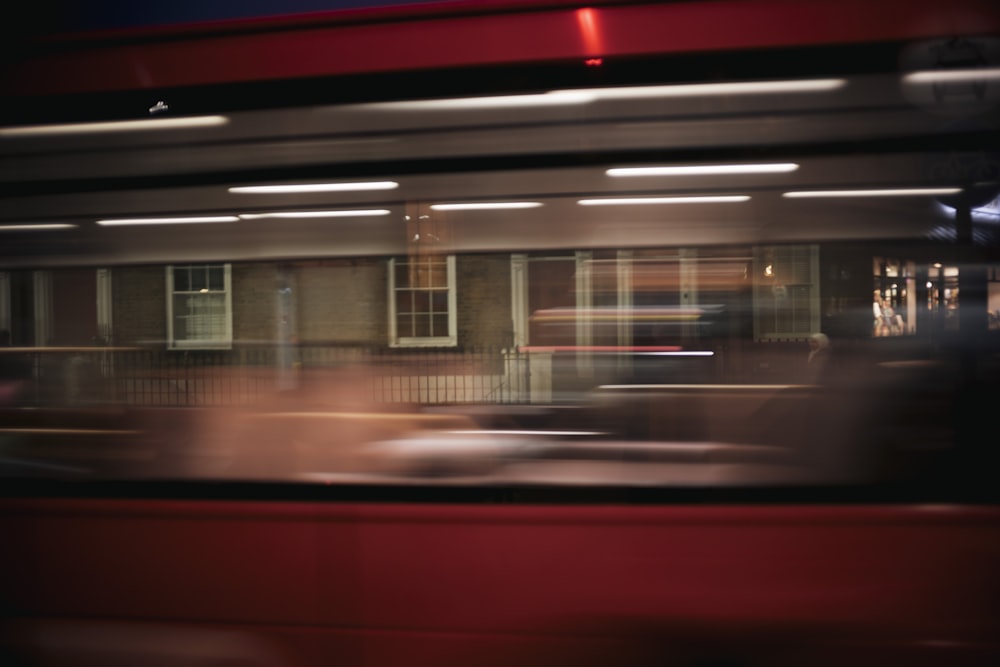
(557, 34)
(424, 583)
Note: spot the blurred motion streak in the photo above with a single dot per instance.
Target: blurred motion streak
(452, 393)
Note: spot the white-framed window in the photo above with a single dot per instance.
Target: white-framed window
(199, 307)
(422, 301)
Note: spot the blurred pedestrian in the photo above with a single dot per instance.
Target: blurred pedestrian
(819, 354)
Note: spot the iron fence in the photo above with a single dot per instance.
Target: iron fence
(246, 375)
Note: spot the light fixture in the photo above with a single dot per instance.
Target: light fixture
(684, 353)
(114, 126)
(550, 99)
(36, 227)
(891, 192)
(482, 206)
(358, 213)
(294, 188)
(622, 201)
(578, 96)
(712, 89)
(204, 219)
(705, 169)
(989, 213)
(513, 432)
(958, 75)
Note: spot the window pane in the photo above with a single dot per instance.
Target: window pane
(421, 302)
(439, 301)
(438, 273)
(199, 317)
(404, 302)
(404, 325)
(440, 325)
(216, 278)
(421, 326)
(199, 278)
(420, 275)
(180, 317)
(182, 279)
(402, 277)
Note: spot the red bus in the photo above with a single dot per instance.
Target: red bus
(497, 333)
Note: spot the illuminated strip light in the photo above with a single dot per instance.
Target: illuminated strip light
(368, 212)
(550, 99)
(659, 349)
(623, 312)
(526, 432)
(705, 169)
(38, 227)
(555, 319)
(677, 353)
(168, 221)
(729, 387)
(114, 126)
(692, 353)
(965, 75)
(485, 206)
(582, 96)
(720, 199)
(892, 192)
(615, 317)
(710, 89)
(296, 188)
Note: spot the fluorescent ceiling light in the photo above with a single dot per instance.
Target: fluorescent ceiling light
(705, 169)
(576, 96)
(40, 226)
(709, 89)
(550, 99)
(316, 214)
(688, 353)
(313, 187)
(114, 126)
(168, 221)
(965, 75)
(541, 433)
(709, 199)
(482, 206)
(894, 192)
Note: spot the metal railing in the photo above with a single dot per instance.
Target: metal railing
(246, 375)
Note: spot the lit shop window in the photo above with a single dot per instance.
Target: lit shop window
(894, 298)
(199, 307)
